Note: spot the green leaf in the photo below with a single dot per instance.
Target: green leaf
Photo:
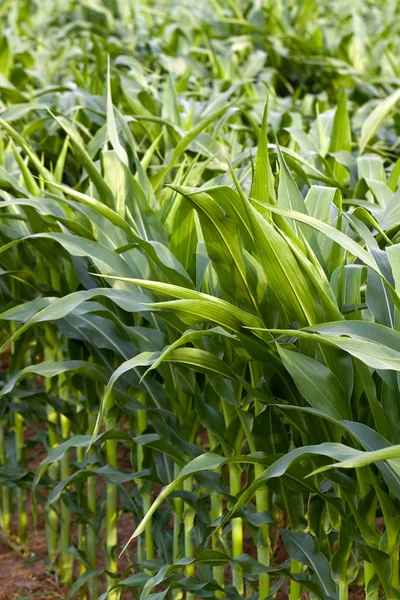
(341, 137)
(81, 581)
(263, 184)
(187, 337)
(361, 459)
(273, 254)
(301, 547)
(184, 143)
(373, 122)
(316, 383)
(208, 307)
(79, 147)
(111, 125)
(51, 309)
(52, 368)
(205, 462)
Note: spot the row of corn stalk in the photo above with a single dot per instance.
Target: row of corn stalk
(218, 301)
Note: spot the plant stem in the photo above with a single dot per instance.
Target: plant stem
(91, 531)
(188, 518)
(140, 458)
(21, 493)
(178, 511)
(343, 591)
(395, 581)
(6, 510)
(66, 560)
(111, 504)
(369, 569)
(19, 446)
(81, 527)
(111, 520)
(263, 552)
(52, 518)
(237, 528)
(262, 504)
(178, 514)
(145, 489)
(369, 573)
(5, 490)
(216, 513)
(148, 531)
(295, 586)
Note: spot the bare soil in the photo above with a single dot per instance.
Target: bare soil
(28, 578)
(25, 573)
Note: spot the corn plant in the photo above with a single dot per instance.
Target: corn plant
(199, 263)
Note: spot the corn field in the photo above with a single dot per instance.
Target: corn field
(200, 296)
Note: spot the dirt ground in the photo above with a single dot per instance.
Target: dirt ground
(28, 578)
(26, 575)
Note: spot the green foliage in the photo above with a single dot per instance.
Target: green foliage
(199, 221)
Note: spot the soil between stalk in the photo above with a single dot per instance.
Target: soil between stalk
(27, 576)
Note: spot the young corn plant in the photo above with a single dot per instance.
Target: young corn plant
(305, 378)
(208, 285)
